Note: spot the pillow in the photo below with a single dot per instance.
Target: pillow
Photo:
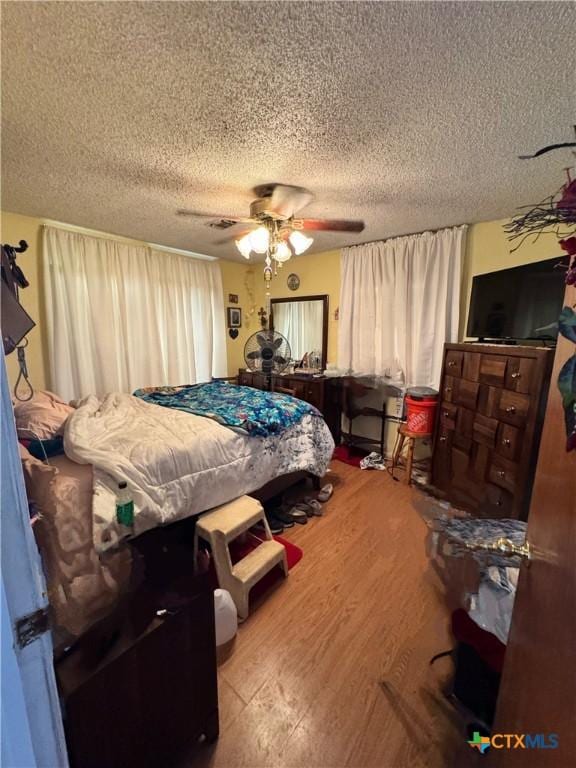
(82, 587)
(42, 417)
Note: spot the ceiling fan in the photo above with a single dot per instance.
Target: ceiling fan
(273, 227)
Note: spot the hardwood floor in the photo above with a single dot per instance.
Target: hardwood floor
(331, 669)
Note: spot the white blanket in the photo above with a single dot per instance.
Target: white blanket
(177, 464)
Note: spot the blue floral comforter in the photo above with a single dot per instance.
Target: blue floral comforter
(256, 412)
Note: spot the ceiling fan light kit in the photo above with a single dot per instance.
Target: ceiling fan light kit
(276, 239)
(244, 245)
(260, 240)
(278, 234)
(299, 242)
(282, 252)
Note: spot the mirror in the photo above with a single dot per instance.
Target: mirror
(304, 322)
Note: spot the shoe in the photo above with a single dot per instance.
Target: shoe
(284, 517)
(298, 514)
(314, 507)
(325, 493)
(275, 525)
(303, 510)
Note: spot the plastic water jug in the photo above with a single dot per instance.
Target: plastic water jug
(226, 616)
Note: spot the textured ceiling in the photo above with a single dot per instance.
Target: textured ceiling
(409, 115)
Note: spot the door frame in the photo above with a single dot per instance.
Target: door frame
(24, 588)
(537, 691)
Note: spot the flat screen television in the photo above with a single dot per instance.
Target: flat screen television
(521, 303)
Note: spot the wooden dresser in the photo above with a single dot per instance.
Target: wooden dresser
(322, 391)
(492, 400)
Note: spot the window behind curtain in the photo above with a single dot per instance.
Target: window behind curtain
(399, 303)
(122, 316)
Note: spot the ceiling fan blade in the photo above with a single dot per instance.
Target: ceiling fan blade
(280, 360)
(198, 215)
(278, 343)
(214, 216)
(329, 225)
(284, 200)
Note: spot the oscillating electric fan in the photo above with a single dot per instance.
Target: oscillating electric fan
(267, 351)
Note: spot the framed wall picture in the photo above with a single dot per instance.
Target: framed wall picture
(233, 298)
(293, 282)
(234, 317)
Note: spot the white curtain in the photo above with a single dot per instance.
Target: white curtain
(301, 322)
(122, 316)
(399, 303)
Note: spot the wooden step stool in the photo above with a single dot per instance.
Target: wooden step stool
(222, 525)
(404, 434)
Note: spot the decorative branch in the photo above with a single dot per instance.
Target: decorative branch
(556, 214)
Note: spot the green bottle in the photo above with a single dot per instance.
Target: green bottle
(124, 506)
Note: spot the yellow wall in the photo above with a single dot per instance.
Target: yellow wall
(319, 273)
(14, 227)
(488, 250)
(245, 281)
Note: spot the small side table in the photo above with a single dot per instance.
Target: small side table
(404, 435)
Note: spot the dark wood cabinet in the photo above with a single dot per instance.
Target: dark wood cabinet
(323, 392)
(140, 691)
(255, 380)
(492, 400)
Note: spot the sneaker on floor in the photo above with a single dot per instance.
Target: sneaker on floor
(298, 513)
(284, 517)
(276, 526)
(325, 493)
(314, 506)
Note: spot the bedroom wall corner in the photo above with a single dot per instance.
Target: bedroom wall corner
(13, 228)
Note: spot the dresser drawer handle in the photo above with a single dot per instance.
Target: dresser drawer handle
(448, 389)
(446, 414)
(501, 473)
(443, 438)
(511, 409)
(499, 503)
(451, 363)
(506, 442)
(517, 375)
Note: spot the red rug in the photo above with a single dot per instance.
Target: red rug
(349, 455)
(240, 548)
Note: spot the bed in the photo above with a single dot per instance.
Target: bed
(177, 464)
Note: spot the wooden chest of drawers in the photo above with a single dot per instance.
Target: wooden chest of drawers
(322, 392)
(492, 401)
